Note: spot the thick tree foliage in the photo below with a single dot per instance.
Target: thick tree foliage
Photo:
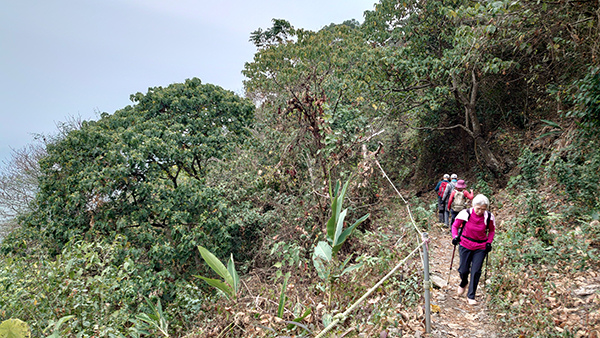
(140, 172)
(305, 82)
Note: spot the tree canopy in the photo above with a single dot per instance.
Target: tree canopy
(140, 172)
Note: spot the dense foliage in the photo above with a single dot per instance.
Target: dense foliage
(504, 93)
(141, 173)
(139, 177)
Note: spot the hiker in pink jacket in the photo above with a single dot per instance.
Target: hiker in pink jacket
(474, 229)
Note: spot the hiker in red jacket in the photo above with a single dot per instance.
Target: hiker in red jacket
(477, 228)
(458, 199)
(439, 189)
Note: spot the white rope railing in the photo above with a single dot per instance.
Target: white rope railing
(401, 197)
(425, 240)
(342, 316)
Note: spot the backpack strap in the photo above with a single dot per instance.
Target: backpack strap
(460, 230)
(487, 222)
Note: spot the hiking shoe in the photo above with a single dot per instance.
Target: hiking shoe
(471, 301)
(460, 291)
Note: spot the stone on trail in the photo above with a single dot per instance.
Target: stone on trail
(587, 290)
(438, 282)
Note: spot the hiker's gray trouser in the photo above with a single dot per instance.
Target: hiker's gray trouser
(447, 217)
(470, 261)
(440, 210)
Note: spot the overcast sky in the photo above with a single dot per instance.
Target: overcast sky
(68, 58)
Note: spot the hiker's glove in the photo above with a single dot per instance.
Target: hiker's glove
(488, 247)
(455, 241)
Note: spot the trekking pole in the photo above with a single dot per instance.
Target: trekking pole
(486, 268)
(460, 230)
(452, 261)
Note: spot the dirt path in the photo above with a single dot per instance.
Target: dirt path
(455, 317)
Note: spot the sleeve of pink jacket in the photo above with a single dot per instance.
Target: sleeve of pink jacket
(457, 223)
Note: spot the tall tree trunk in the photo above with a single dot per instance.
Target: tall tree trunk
(473, 127)
(481, 145)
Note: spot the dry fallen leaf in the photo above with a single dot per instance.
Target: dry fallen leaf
(471, 317)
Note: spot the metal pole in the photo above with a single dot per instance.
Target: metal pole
(426, 283)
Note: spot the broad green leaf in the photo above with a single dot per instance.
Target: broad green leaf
(234, 275)
(339, 227)
(14, 328)
(336, 208)
(336, 188)
(351, 268)
(334, 215)
(344, 235)
(332, 222)
(282, 297)
(323, 250)
(216, 265)
(322, 259)
(219, 285)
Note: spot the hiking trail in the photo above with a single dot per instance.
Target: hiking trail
(455, 318)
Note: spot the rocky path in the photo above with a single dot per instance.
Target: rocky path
(451, 315)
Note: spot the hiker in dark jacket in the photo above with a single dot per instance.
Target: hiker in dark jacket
(449, 187)
(439, 189)
(478, 229)
(458, 199)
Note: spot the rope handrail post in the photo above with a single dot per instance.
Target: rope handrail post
(426, 282)
(424, 253)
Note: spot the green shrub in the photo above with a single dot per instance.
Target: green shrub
(530, 164)
(536, 221)
(87, 280)
(577, 168)
(586, 99)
